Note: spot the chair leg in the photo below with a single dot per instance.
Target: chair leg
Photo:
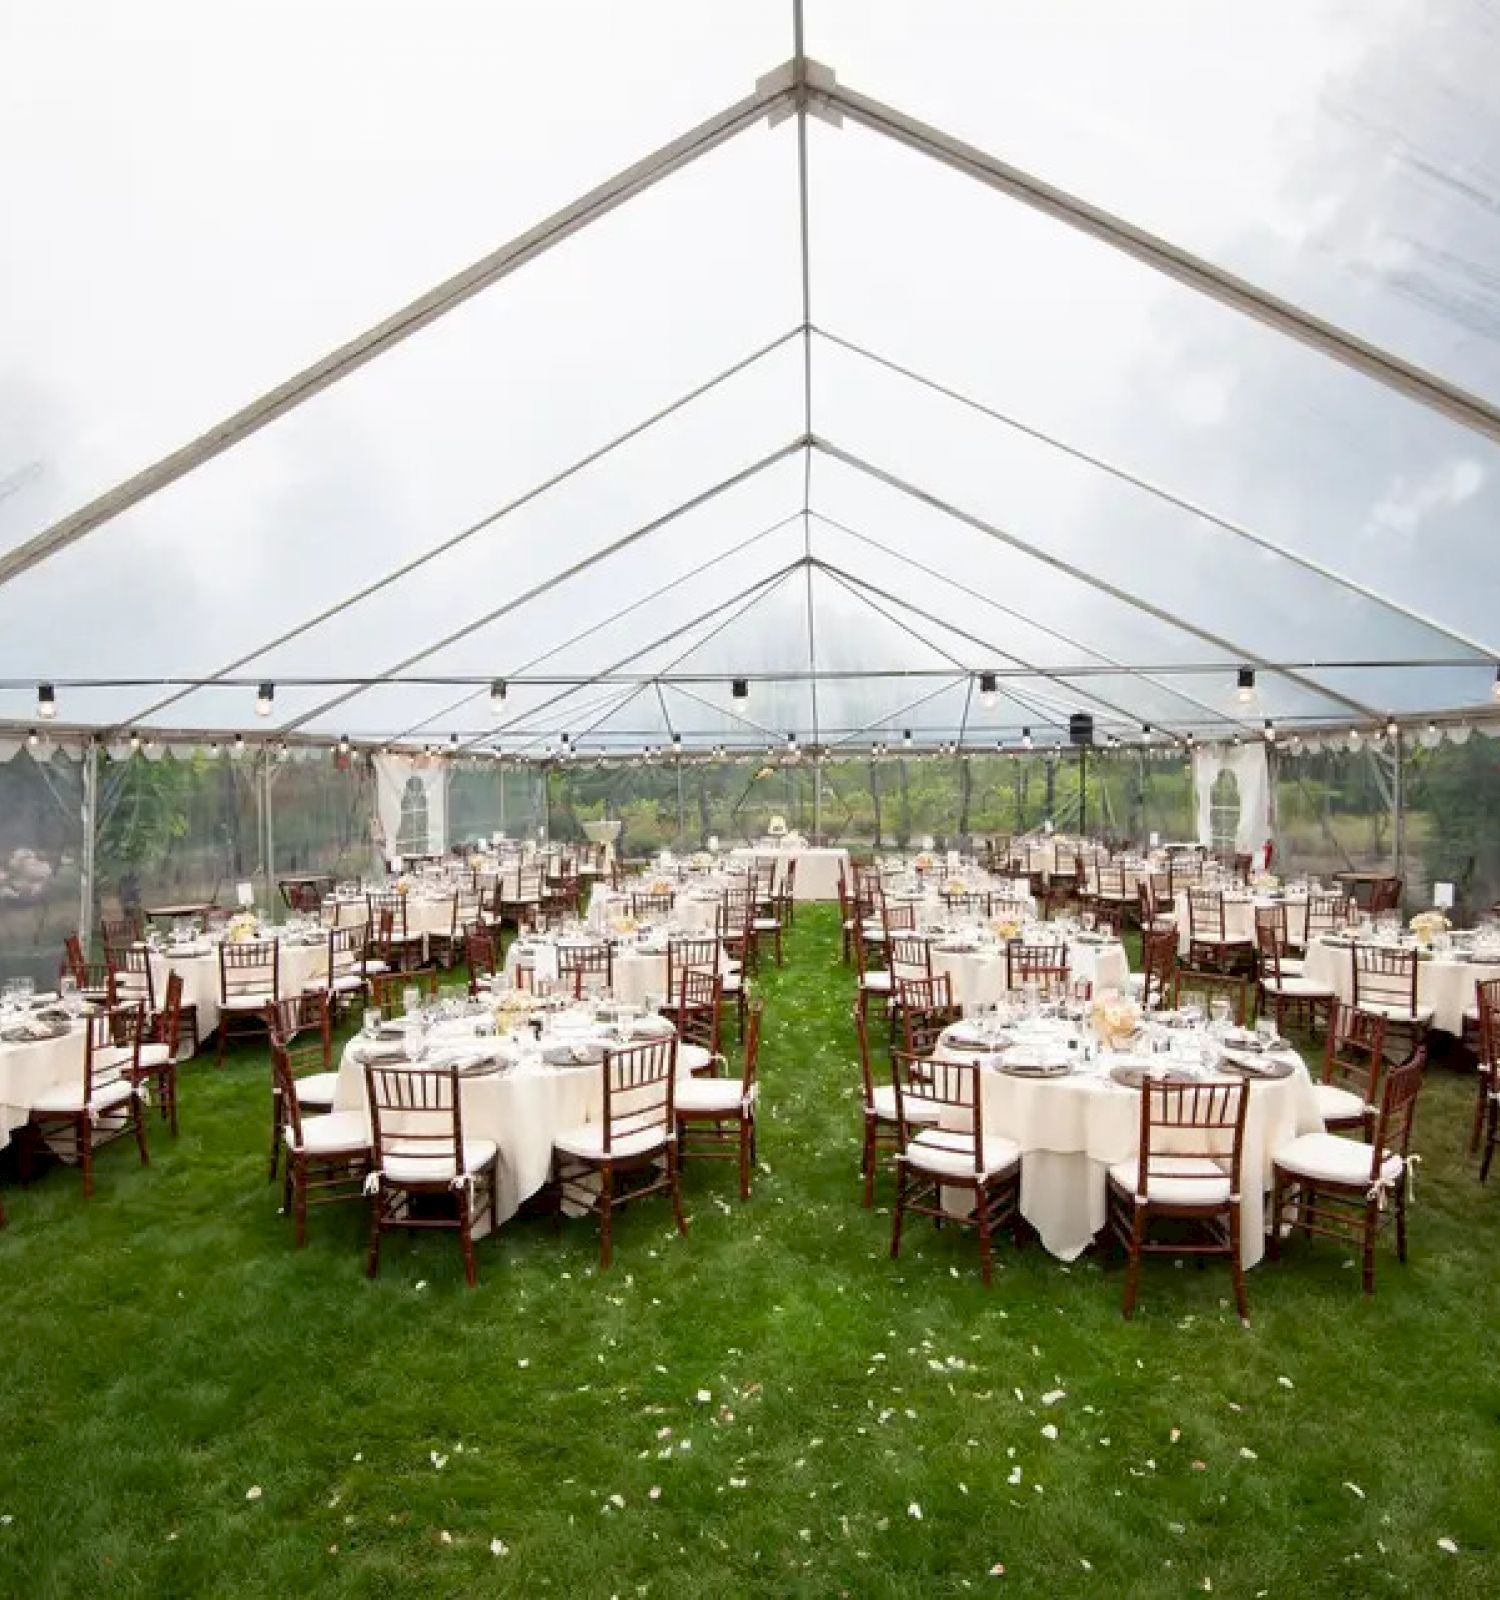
(747, 1133)
(221, 1030)
(466, 1233)
(1367, 1254)
(986, 1250)
(138, 1116)
(1278, 1201)
(169, 1089)
(1133, 1266)
(1237, 1266)
(275, 1137)
(372, 1263)
(674, 1179)
(606, 1216)
(84, 1137)
(867, 1165)
(1481, 1102)
(298, 1172)
(1491, 1138)
(1401, 1217)
(898, 1211)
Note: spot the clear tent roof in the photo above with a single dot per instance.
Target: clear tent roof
(813, 399)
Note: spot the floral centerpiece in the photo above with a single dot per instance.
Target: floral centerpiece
(242, 928)
(622, 924)
(701, 860)
(662, 886)
(776, 827)
(955, 886)
(1265, 881)
(513, 1008)
(1005, 928)
(1115, 1018)
(403, 884)
(1428, 924)
(923, 862)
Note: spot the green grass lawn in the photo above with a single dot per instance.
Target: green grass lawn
(769, 1406)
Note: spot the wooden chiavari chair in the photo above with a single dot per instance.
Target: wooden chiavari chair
(131, 976)
(388, 989)
(249, 981)
(327, 1156)
(582, 968)
(1339, 1187)
(1158, 979)
(1187, 1171)
(688, 954)
(387, 908)
(1282, 989)
(636, 1139)
(1113, 898)
(1385, 895)
(1328, 913)
(1385, 985)
(445, 947)
(418, 1147)
(104, 1097)
(649, 906)
(696, 1013)
(157, 1064)
(304, 1024)
(1202, 986)
(848, 922)
(481, 956)
(344, 973)
(875, 987)
(1487, 1060)
(1353, 1059)
(1209, 944)
(1275, 918)
(878, 1101)
(1045, 965)
(736, 927)
(716, 1115)
(126, 929)
(932, 1160)
(94, 979)
(767, 921)
(926, 1008)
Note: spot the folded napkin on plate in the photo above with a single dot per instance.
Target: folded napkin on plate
(1258, 1066)
(30, 1029)
(385, 1050)
(583, 1054)
(650, 1028)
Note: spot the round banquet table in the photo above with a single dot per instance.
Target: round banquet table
(977, 976)
(1445, 982)
(301, 966)
(1239, 918)
(695, 906)
(1071, 1130)
(522, 1109)
(818, 869)
(29, 1068)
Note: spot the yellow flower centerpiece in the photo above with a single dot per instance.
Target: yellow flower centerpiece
(1116, 1019)
(955, 886)
(403, 884)
(1005, 928)
(662, 886)
(622, 924)
(1265, 881)
(1428, 924)
(242, 928)
(923, 862)
(513, 1009)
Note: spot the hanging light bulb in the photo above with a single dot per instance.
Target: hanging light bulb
(265, 698)
(1146, 733)
(1025, 738)
(906, 737)
(677, 742)
(238, 748)
(739, 688)
(34, 739)
(1245, 685)
(1432, 730)
(135, 740)
(1354, 738)
(46, 701)
(1392, 728)
(343, 744)
(1270, 731)
(988, 689)
(497, 695)
(791, 744)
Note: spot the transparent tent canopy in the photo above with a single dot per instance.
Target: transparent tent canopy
(815, 391)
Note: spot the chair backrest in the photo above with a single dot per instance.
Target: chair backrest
(1385, 895)
(304, 898)
(452, 916)
(639, 1085)
(926, 1007)
(1398, 1110)
(696, 1010)
(1384, 975)
(388, 903)
(1327, 913)
(1191, 1122)
(128, 928)
(479, 952)
(1043, 964)
(689, 955)
(581, 967)
(866, 1074)
(1206, 915)
(169, 1019)
(908, 956)
(750, 1063)
(250, 969)
(1487, 994)
(346, 953)
(1355, 1051)
(897, 918)
(1111, 883)
(416, 1118)
(1158, 967)
(387, 989)
(111, 1047)
(646, 903)
(788, 889)
(307, 1017)
(131, 975)
(951, 1088)
(1270, 941)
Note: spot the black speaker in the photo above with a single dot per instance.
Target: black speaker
(1080, 728)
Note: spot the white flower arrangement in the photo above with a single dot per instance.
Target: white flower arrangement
(1428, 924)
(242, 928)
(1265, 881)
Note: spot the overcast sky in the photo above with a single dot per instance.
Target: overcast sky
(201, 200)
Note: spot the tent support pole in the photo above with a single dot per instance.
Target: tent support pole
(89, 819)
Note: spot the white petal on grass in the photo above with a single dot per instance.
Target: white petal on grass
(1449, 1546)
(914, 1511)
(253, 1492)
(1355, 1490)
(1052, 1396)
(1049, 1430)
(498, 1547)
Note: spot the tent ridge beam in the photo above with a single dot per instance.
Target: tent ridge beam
(1467, 409)
(392, 330)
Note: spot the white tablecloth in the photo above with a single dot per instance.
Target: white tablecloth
(1071, 1130)
(817, 869)
(300, 967)
(522, 1111)
(28, 1070)
(978, 977)
(1239, 919)
(695, 906)
(1442, 983)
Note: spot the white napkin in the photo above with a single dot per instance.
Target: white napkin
(544, 962)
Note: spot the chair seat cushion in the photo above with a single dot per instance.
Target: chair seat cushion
(398, 1170)
(767, 925)
(916, 1110)
(1294, 988)
(338, 1133)
(722, 1095)
(729, 982)
(1176, 1181)
(1326, 1157)
(1394, 1013)
(247, 1002)
(1338, 1105)
(877, 982)
(693, 1058)
(951, 1154)
(68, 1097)
(587, 1143)
(1292, 966)
(1471, 1013)
(317, 1089)
(155, 1055)
(376, 966)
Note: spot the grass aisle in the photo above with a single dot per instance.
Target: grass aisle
(770, 1406)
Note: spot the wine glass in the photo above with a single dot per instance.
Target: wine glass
(72, 1001)
(1218, 1015)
